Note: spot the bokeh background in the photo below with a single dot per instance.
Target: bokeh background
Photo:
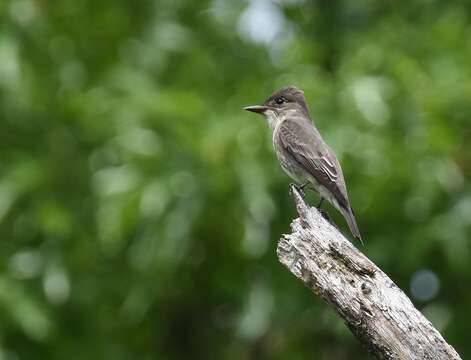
(140, 206)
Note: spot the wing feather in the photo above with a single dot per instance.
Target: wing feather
(309, 150)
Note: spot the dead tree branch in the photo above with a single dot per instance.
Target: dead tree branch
(377, 312)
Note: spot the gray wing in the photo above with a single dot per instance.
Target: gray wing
(300, 139)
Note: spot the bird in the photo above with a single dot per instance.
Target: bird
(302, 152)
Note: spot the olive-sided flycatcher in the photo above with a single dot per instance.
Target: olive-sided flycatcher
(302, 152)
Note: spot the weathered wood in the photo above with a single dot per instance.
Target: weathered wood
(377, 312)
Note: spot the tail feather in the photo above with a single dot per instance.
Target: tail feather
(352, 224)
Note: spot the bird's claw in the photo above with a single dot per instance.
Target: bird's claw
(299, 189)
(326, 216)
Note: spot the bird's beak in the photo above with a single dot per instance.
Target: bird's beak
(260, 109)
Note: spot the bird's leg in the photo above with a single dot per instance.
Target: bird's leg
(304, 185)
(324, 213)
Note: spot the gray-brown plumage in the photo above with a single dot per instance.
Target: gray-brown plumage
(302, 152)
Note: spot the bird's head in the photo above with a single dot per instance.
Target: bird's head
(287, 99)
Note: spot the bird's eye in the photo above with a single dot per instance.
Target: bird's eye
(280, 100)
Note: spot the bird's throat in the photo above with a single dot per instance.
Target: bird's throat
(272, 119)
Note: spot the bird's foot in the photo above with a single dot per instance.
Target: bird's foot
(326, 216)
(299, 189)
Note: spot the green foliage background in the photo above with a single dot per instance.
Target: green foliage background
(140, 205)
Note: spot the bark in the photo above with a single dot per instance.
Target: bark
(377, 312)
